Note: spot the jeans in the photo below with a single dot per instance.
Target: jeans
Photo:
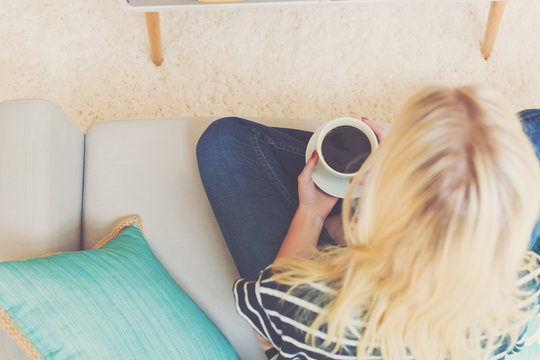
(249, 172)
(530, 120)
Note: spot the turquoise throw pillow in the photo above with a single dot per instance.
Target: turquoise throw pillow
(115, 302)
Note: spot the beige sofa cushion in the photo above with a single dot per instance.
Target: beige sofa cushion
(149, 168)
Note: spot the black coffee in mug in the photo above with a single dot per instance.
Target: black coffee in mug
(345, 148)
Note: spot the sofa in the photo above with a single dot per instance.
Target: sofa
(63, 190)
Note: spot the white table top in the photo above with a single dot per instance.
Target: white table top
(162, 5)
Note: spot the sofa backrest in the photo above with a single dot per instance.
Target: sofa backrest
(149, 168)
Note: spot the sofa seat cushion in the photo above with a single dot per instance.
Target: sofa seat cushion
(149, 167)
(114, 302)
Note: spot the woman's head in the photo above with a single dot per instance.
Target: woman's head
(437, 238)
(449, 205)
(456, 180)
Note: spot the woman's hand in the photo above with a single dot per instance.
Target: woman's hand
(263, 343)
(311, 198)
(379, 131)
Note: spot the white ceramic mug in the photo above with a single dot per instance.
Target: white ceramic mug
(323, 131)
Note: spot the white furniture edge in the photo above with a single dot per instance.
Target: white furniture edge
(171, 5)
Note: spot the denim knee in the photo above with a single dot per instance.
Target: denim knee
(530, 115)
(530, 121)
(213, 141)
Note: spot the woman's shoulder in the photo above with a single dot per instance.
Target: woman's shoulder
(529, 273)
(308, 298)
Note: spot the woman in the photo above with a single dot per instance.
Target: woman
(436, 263)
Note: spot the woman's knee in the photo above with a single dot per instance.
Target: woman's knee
(214, 140)
(224, 144)
(530, 115)
(530, 121)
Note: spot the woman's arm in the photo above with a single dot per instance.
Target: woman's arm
(302, 236)
(306, 225)
(315, 205)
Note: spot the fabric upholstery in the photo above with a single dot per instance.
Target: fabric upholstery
(114, 302)
(148, 167)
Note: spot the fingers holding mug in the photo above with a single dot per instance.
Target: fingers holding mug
(342, 146)
(379, 131)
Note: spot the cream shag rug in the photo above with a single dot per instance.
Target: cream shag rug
(92, 58)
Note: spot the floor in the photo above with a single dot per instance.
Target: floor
(92, 58)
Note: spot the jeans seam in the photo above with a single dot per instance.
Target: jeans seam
(266, 166)
(275, 179)
(286, 147)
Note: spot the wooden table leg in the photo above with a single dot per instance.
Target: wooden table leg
(495, 15)
(154, 35)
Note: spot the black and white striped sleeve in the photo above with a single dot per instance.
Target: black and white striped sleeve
(249, 306)
(530, 280)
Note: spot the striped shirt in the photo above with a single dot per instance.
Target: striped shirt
(273, 312)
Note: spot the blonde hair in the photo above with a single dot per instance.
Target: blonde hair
(436, 241)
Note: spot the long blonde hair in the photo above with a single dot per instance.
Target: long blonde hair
(436, 241)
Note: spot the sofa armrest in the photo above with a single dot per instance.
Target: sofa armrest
(41, 162)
